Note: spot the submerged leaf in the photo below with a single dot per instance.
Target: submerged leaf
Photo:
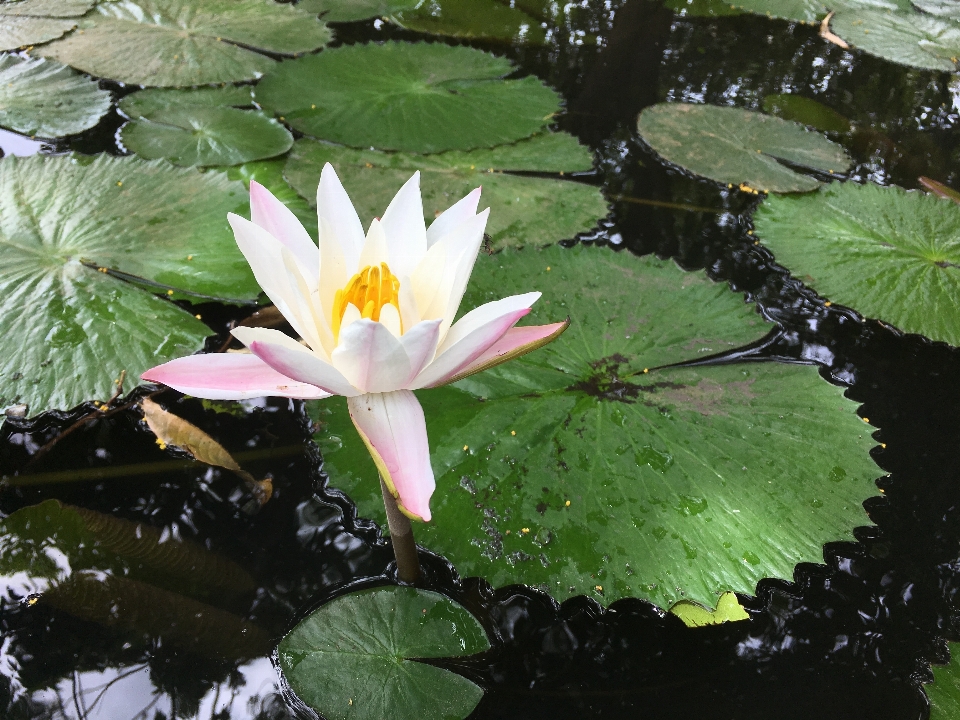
(45, 98)
(694, 614)
(524, 210)
(352, 657)
(739, 147)
(414, 97)
(574, 470)
(885, 252)
(806, 112)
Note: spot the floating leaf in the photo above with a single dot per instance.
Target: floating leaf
(180, 42)
(194, 135)
(736, 146)
(574, 470)
(806, 112)
(812, 11)
(78, 328)
(488, 20)
(45, 98)
(353, 10)
(944, 692)
(32, 22)
(173, 430)
(941, 8)
(352, 657)
(153, 100)
(694, 614)
(269, 173)
(885, 252)
(702, 8)
(524, 210)
(914, 39)
(415, 97)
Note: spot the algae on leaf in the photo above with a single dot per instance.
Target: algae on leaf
(352, 658)
(887, 253)
(79, 328)
(524, 210)
(42, 97)
(574, 470)
(179, 42)
(414, 97)
(735, 146)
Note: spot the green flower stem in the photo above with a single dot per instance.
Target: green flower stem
(401, 536)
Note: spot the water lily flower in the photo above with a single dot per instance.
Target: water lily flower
(375, 313)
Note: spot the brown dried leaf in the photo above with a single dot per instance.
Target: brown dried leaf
(939, 189)
(827, 35)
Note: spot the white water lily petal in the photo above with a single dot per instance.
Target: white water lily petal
(405, 229)
(278, 220)
(454, 216)
(390, 319)
(317, 333)
(428, 278)
(409, 314)
(350, 316)
(338, 218)
(374, 247)
(472, 239)
(233, 376)
(394, 430)
(420, 343)
(290, 358)
(333, 268)
(371, 358)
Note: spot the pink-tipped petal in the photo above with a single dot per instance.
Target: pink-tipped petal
(290, 358)
(394, 430)
(420, 343)
(371, 358)
(404, 227)
(517, 341)
(338, 217)
(277, 219)
(453, 217)
(229, 376)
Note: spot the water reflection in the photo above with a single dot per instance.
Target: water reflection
(13, 144)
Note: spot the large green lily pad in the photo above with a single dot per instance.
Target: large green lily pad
(736, 146)
(32, 22)
(77, 328)
(885, 252)
(45, 98)
(201, 126)
(813, 11)
(574, 470)
(523, 209)
(944, 692)
(912, 39)
(489, 20)
(351, 659)
(180, 42)
(415, 97)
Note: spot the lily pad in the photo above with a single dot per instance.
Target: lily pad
(702, 8)
(574, 470)
(739, 147)
(525, 210)
(488, 20)
(180, 42)
(944, 692)
(693, 614)
(196, 135)
(940, 8)
(914, 39)
(352, 658)
(153, 100)
(353, 10)
(31, 22)
(888, 253)
(813, 11)
(415, 97)
(77, 329)
(45, 98)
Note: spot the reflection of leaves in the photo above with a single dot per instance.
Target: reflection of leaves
(694, 614)
(350, 658)
(173, 430)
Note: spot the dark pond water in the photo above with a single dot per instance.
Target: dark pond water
(852, 638)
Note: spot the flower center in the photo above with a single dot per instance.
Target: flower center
(370, 289)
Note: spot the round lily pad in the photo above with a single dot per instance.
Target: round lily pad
(885, 252)
(524, 209)
(353, 10)
(77, 327)
(31, 22)
(195, 135)
(813, 11)
(489, 20)
(45, 98)
(913, 39)
(351, 659)
(180, 42)
(736, 146)
(154, 100)
(415, 97)
(574, 470)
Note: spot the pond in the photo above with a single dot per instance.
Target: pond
(746, 211)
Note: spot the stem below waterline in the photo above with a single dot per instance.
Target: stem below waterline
(401, 536)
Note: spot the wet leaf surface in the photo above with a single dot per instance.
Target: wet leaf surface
(37, 21)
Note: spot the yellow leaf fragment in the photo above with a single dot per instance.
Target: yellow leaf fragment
(694, 614)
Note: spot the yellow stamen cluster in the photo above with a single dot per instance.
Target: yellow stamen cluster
(369, 290)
